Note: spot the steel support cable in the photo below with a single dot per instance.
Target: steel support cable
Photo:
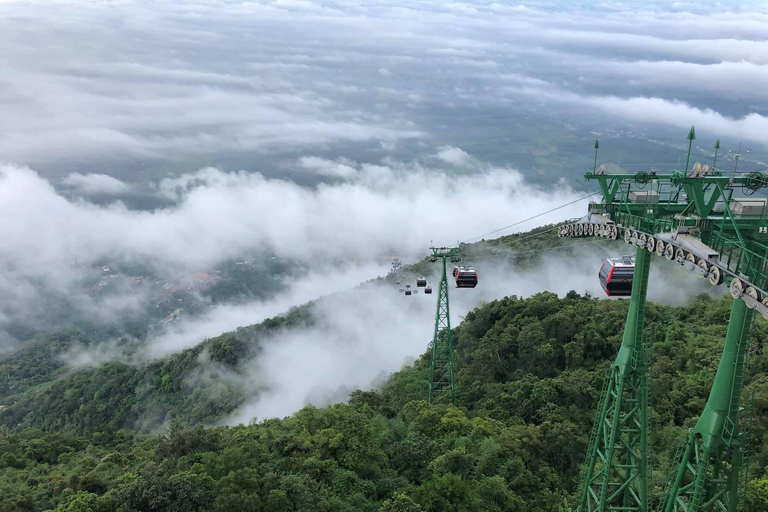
(530, 218)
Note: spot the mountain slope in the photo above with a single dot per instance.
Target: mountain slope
(528, 370)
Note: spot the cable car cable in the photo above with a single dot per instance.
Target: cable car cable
(531, 218)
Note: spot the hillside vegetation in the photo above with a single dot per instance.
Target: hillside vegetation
(528, 370)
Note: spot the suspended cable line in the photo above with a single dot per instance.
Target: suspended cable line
(530, 218)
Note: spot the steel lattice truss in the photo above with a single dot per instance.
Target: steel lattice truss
(442, 383)
(698, 220)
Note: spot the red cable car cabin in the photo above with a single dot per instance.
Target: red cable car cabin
(616, 276)
(466, 277)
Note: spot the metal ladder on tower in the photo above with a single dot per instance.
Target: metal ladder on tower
(730, 429)
(676, 460)
(745, 435)
(596, 426)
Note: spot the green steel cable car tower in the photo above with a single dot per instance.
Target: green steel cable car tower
(691, 218)
(442, 382)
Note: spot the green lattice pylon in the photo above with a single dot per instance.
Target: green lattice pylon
(442, 383)
(616, 470)
(707, 474)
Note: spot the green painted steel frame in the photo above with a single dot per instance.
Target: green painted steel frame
(711, 460)
(707, 476)
(442, 380)
(616, 473)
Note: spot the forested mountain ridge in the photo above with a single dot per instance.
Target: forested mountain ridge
(528, 375)
(112, 396)
(39, 388)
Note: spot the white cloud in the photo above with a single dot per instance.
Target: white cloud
(221, 215)
(654, 110)
(365, 333)
(342, 168)
(752, 127)
(138, 81)
(189, 332)
(452, 155)
(94, 184)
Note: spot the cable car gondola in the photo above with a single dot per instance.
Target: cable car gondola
(428, 289)
(466, 277)
(408, 291)
(421, 282)
(616, 276)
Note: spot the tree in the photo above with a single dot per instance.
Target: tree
(400, 503)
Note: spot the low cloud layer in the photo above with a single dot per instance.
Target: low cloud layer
(95, 184)
(390, 208)
(135, 89)
(367, 333)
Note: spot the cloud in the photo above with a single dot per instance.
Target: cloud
(145, 86)
(342, 168)
(373, 331)
(95, 184)
(453, 156)
(732, 79)
(655, 110)
(752, 127)
(220, 215)
(189, 332)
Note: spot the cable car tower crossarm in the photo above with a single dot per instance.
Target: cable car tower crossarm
(693, 219)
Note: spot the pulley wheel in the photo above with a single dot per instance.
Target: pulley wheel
(765, 303)
(715, 276)
(627, 236)
(614, 233)
(660, 246)
(752, 292)
(580, 229)
(755, 181)
(591, 230)
(634, 236)
(643, 240)
(737, 288)
(679, 255)
(702, 263)
(669, 252)
(650, 244)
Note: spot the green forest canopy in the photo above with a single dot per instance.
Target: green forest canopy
(528, 371)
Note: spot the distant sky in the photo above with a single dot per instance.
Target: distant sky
(139, 90)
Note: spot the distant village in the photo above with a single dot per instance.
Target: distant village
(105, 277)
(110, 276)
